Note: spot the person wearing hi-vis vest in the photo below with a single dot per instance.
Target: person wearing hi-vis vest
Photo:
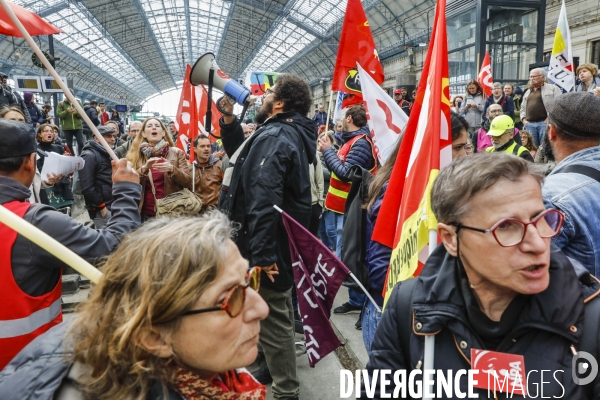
(357, 149)
(502, 131)
(30, 277)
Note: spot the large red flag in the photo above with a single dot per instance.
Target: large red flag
(185, 113)
(425, 149)
(34, 24)
(485, 75)
(356, 46)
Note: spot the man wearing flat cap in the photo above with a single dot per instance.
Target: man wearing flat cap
(573, 187)
(30, 277)
(96, 177)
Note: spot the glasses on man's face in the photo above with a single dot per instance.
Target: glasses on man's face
(534, 76)
(268, 92)
(134, 130)
(233, 304)
(510, 232)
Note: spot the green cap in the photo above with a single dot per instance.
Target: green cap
(500, 124)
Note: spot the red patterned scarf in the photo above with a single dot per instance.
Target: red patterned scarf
(230, 385)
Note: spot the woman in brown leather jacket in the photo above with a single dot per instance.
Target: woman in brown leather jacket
(154, 152)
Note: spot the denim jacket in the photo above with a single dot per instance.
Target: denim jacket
(578, 197)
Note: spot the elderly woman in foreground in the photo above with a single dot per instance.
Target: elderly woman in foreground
(170, 321)
(495, 283)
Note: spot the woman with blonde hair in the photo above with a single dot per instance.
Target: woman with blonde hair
(161, 165)
(175, 320)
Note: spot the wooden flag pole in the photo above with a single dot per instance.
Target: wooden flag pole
(59, 81)
(49, 244)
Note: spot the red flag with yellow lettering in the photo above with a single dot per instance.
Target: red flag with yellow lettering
(186, 113)
(425, 149)
(356, 46)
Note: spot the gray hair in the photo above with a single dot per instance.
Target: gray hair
(540, 71)
(497, 84)
(468, 176)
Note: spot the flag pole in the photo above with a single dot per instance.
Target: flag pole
(351, 275)
(59, 81)
(49, 244)
(429, 351)
(328, 110)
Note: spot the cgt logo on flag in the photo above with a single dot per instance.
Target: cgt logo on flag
(499, 372)
(485, 75)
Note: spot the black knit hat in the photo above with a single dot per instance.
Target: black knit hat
(16, 139)
(577, 113)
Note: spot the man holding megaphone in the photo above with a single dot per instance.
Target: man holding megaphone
(271, 168)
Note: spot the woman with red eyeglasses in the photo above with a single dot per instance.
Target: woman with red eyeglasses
(175, 320)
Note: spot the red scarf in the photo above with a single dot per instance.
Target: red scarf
(230, 385)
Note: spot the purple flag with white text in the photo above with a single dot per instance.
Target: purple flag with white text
(318, 274)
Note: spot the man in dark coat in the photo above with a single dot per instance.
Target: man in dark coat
(495, 283)
(270, 168)
(96, 177)
(92, 113)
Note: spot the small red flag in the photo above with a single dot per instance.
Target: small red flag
(356, 45)
(185, 112)
(485, 75)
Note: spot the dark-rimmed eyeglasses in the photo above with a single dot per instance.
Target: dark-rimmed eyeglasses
(268, 92)
(510, 232)
(233, 304)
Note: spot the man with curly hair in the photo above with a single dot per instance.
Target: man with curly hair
(271, 167)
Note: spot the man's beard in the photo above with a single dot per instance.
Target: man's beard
(263, 112)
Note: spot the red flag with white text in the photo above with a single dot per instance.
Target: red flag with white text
(318, 275)
(356, 46)
(426, 148)
(485, 78)
(185, 113)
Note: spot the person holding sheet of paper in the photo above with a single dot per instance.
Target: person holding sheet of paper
(30, 277)
(46, 142)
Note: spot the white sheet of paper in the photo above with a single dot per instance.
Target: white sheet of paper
(61, 164)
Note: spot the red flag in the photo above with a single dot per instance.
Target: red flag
(318, 274)
(425, 149)
(185, 112)
(485, 75)
(215, 128)
(356, 45)
(34, 24)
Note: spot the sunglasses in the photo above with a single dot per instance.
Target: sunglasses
(236, 298)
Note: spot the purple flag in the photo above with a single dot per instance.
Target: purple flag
(318, 274)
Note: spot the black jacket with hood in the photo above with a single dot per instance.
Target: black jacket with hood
(271, 169)
(546, 325)
(96, 177)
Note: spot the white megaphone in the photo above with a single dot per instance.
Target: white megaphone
(222, 81)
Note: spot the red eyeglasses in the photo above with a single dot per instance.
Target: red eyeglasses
(510, 232)
(236, 298)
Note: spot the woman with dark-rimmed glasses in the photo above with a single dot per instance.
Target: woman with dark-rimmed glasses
(175, 320)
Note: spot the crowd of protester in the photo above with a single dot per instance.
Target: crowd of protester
(539, 165)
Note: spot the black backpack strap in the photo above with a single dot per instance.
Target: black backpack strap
(581, 169)
(405, 311)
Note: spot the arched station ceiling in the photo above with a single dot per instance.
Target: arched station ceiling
(129, 50)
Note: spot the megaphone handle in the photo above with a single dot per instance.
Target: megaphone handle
(243, 114)
(211, 74)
